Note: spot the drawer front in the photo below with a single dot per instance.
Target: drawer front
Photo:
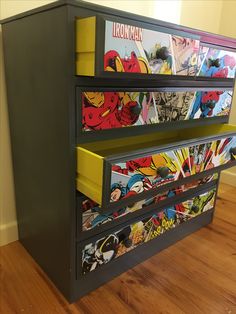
(215, 62)
(119, 242)
(108, 45)
(111, 109)
(129, 171)
(92, 218)
(134, 176)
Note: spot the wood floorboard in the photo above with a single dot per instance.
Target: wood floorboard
(196, 275)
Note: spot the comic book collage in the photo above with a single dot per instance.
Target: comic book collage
(113, 245)
(139, 175)
(92, 218)
(132, 49)
(138, 50)
(216, 63)
(108, 110)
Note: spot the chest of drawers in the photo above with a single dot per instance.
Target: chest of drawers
(119, 133)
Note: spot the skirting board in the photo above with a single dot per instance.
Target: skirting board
(8, 233)
(228, 177)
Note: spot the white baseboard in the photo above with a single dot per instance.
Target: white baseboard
(228, 177)
(8, 233)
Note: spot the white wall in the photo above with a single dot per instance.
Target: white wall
(159, 9)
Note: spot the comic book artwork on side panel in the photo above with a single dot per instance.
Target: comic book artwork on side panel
(136, 176)
(92, 218)
(138, 50)
(105, 249)
(108, 110)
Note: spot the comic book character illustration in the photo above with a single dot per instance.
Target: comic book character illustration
(186, 55)
(91, 212)
(217, 63)
(136, 184)
(88, 204)
(129, 63)
(201, 203)
(117, 192)
(205, 102)
(148, 113)
(104, 250)
(172, 165)
(198, 158)
(144, 173)
(106, 110)
(116, 244)
(154, 166)
(97, 219)
(220, 152)
(160, 59)
(173, 106)
(92, 217)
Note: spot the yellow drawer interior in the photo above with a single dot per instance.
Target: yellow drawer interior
(90, 156)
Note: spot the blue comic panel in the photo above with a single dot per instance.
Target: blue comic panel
(214, 62)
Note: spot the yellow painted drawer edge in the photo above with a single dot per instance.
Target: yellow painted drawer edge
(85, 63)
(87, 187)
(85, 34)
(89, 173)
(85, 46)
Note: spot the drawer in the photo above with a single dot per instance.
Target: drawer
(113, 173)
(120, 241)
(91, 221)
(106, 108)
(108, 46)
(216, 62)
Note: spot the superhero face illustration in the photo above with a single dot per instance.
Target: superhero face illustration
(130, 63)
(138, 183)
(117, 192)
(96, 99)
(137, 187)
(115, 195)
(109, 110)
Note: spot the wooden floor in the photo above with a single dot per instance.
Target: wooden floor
(196, 275)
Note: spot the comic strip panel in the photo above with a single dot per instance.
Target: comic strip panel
(91, 218)
(214, 62)
(109, 110)
(96, 254)
(139, 175)
(137, 50)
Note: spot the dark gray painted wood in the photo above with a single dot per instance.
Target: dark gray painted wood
(43, 138)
